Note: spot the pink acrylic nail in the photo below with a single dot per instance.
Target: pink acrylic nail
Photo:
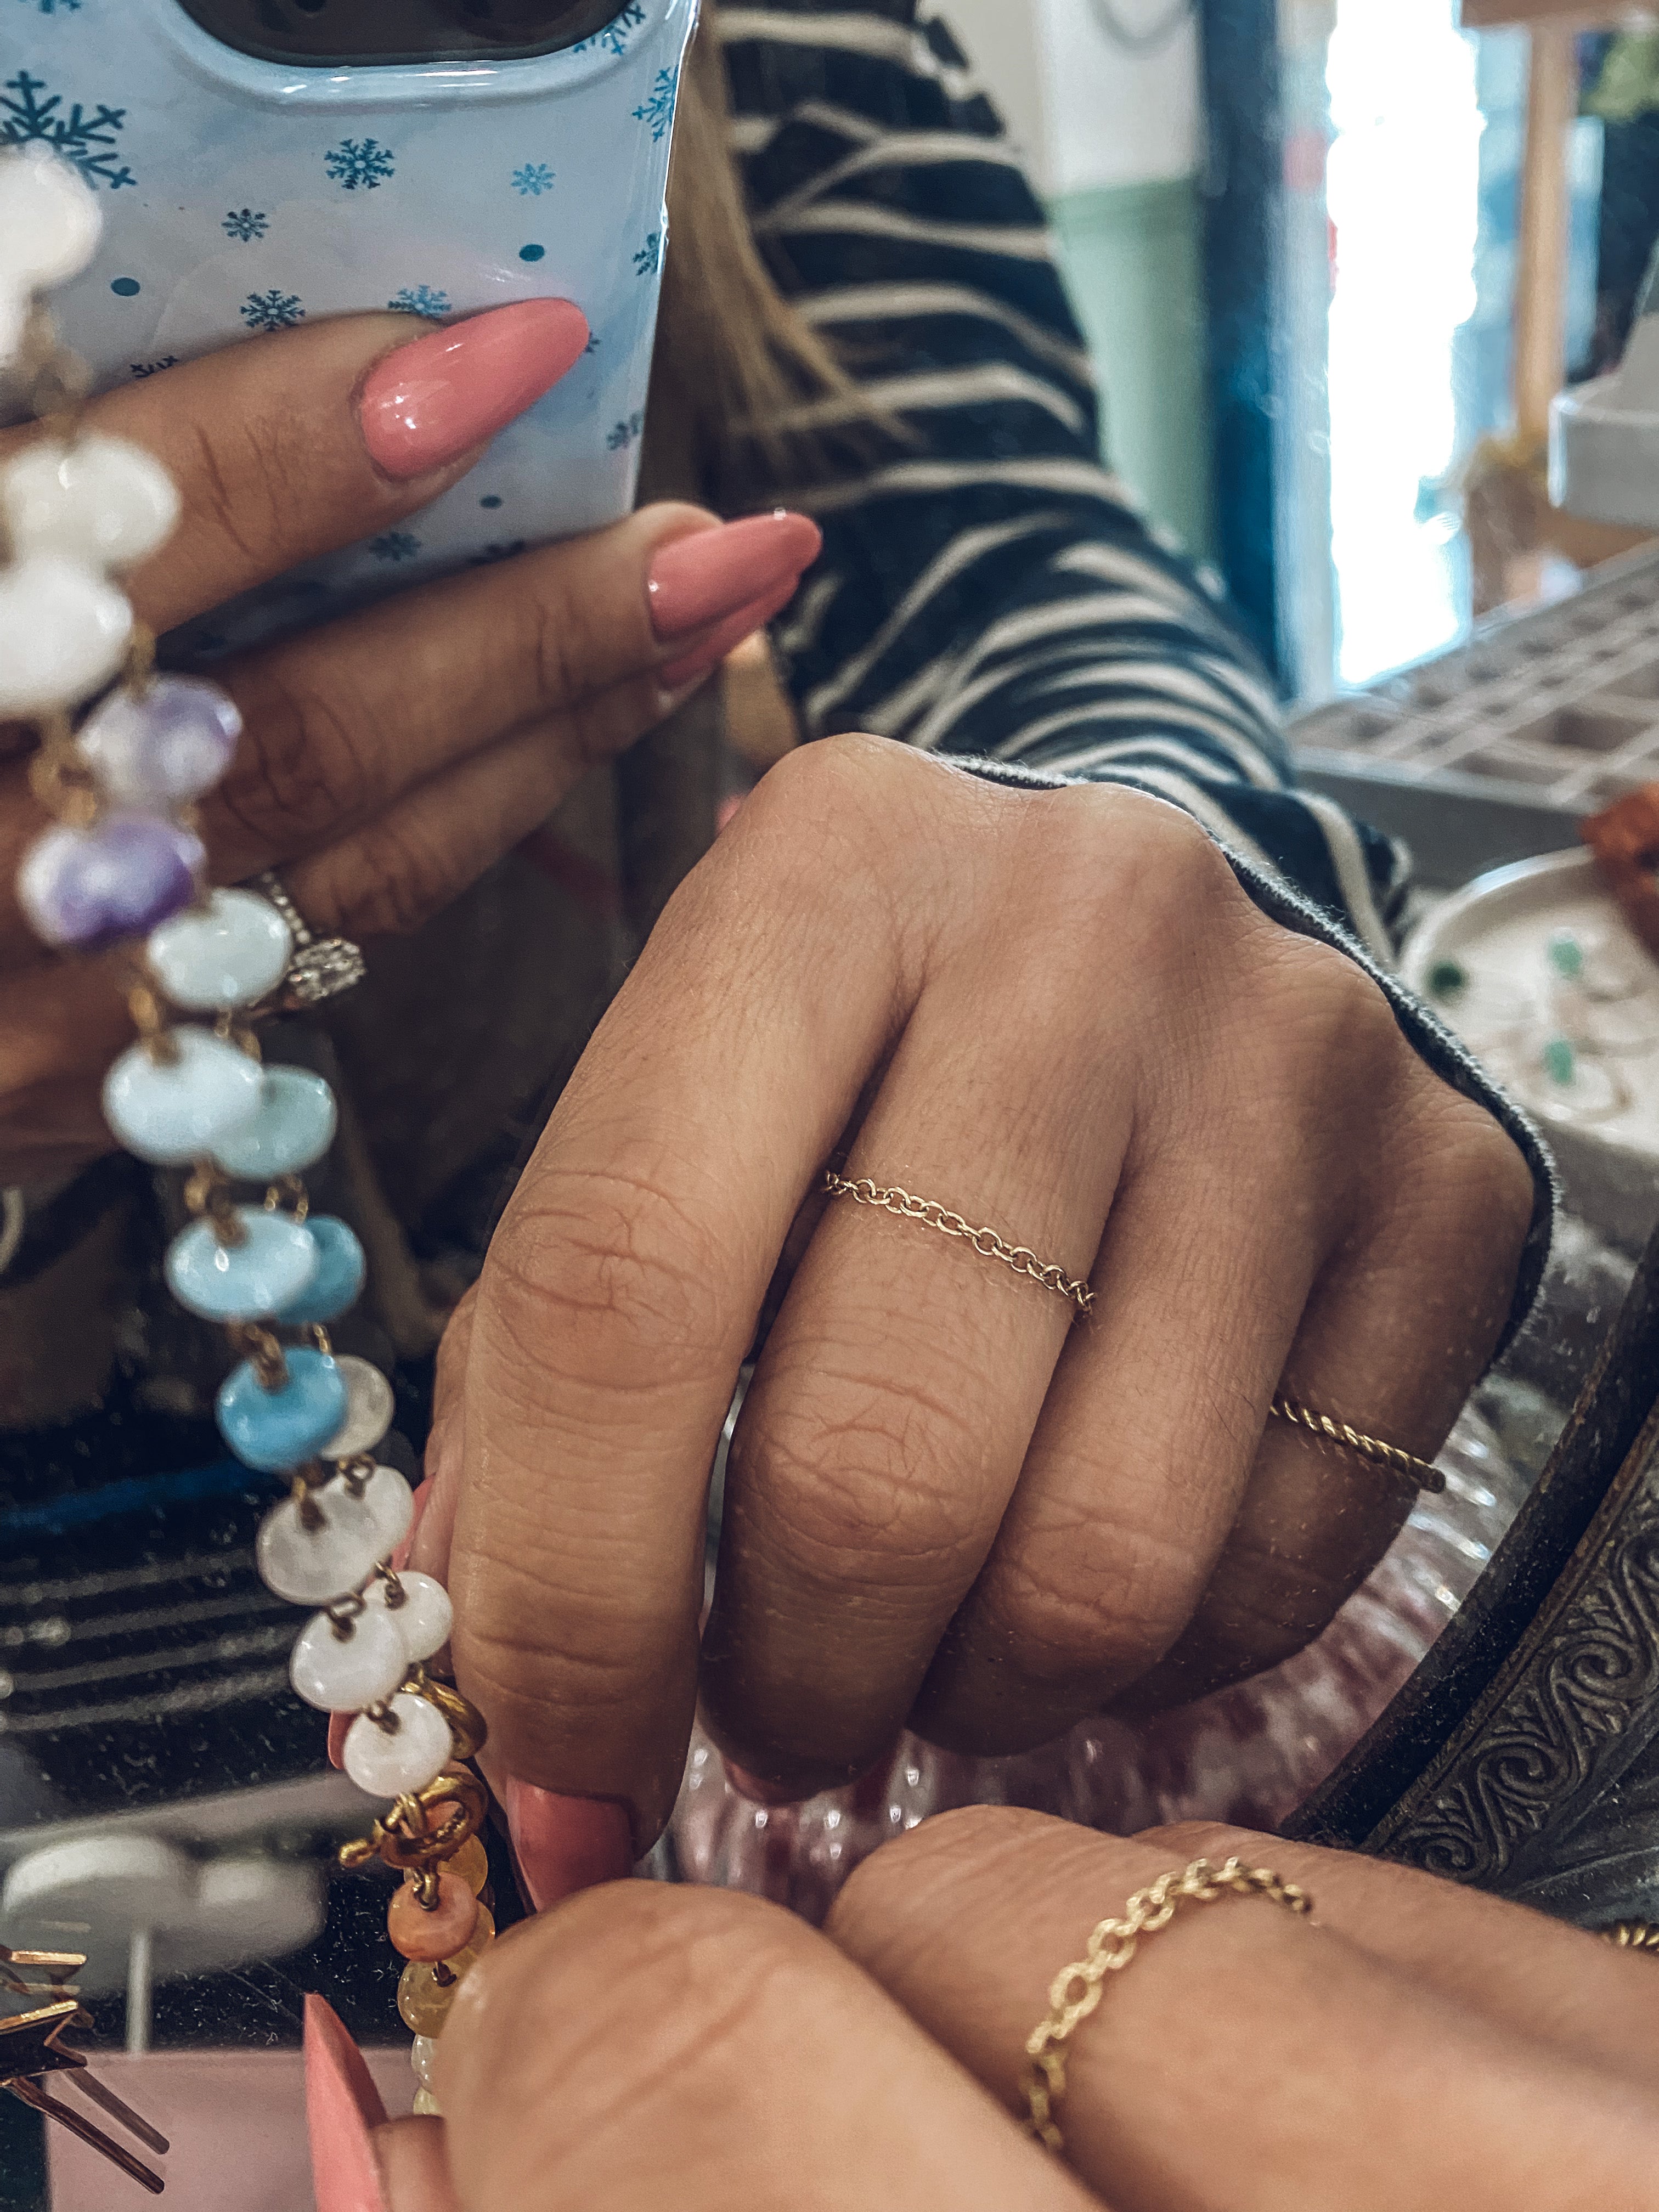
(727, 638)
(563, 1844)
(430, 402)
(342, 2107)
(712, 574)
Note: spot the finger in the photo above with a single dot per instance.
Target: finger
(1141, 1457)
(291, 446)
(645, 2046)
(1244, 2057)
(344, 721)
(415, 2167)
(1526, 1973)
(623, 1288)
(1402, 1323)
(886, 1425)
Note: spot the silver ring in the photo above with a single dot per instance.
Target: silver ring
(322, 967)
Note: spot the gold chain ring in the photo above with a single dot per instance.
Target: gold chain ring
(986, 1241)
(1075, 1994)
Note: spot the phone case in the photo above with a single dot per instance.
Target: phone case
(242, 195)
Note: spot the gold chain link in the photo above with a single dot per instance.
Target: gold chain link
(1074, 1994)
(985, 1241)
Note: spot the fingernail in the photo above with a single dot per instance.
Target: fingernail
(566, 1844)
(431, 402)
(422, 1499)
(727, 638)
(342, 2106)
(715, 572)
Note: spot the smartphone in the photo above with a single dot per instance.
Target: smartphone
(265, 162)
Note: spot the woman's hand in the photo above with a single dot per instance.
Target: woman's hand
(390, 756)
(1058, 1014)
(1412, 2048)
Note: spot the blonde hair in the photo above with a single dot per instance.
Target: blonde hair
(735, 364)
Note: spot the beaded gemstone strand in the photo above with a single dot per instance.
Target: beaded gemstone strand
(126, 756)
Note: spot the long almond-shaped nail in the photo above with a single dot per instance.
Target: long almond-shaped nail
(430, 402)
(713, 573)
(565, 1843)
(342, 2107)
(726, 638)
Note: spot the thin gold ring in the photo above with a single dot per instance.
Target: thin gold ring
(1402, 1464)
(985, 1241)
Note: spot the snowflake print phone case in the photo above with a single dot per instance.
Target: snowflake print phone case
(247, 189)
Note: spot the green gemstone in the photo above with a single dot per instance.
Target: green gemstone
(1561, 1061)
(1566, 956)
(1448, 979)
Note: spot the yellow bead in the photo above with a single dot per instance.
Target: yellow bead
(484, 1933)
(471, 1863)
(427, 2105)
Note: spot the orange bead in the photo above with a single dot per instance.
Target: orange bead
(439, 1933)
(422, 1999)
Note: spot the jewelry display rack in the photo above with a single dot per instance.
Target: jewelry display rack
(1493, 750)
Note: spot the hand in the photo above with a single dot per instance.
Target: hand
(1058, 1013)
(1411, 2048)
(390, 756)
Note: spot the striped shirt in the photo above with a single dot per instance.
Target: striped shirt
(990, 588)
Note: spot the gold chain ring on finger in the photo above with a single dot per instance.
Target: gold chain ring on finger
(986, 1241)
(1074, 1994)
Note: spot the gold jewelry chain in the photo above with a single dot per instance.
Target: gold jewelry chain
(985, 1241)
(1074, 1994)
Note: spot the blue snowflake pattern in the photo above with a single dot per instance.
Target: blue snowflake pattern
(55, 7)
(624, 433)
(272, 311)
(420, 300)
(616, 32)
(533, 179)
(658, 109)
(87, 139)
(153, 368)
(648, 259)
(394, 545)
(245, 224)
(360, 162)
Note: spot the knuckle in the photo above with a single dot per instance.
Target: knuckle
(300, 770)
(249, 475)
(1094, 1607)
(609, 1276)
(880, 1896)
(867, 1478)
(398, 880)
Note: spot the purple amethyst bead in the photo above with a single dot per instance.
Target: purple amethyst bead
(162, 746)
(87, 887)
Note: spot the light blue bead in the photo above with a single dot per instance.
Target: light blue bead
(273, 1430)
(291, 1129)
(177, 1110)
(338, 1281)
(278, 1263)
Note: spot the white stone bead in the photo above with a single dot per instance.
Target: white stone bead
(424, 2058)
(424, 1618)
(314, 1567)
(229, 956)
(49, 221)
(63, 632)
(343, 1674)
(388, 1765)
(369, 1408)
(171, 1113)
(390, 1504)
(101, 500)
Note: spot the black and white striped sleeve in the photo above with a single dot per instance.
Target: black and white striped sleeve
(988, 588)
